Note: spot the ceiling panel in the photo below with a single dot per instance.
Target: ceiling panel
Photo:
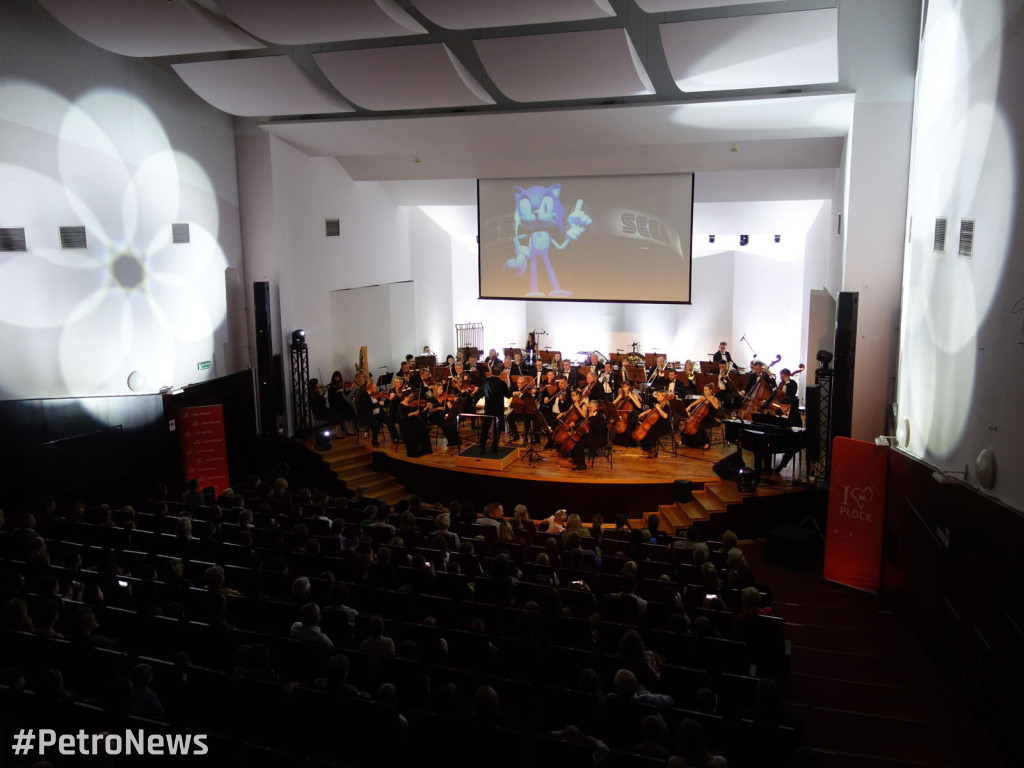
(598, 63)
(149, 27)
(481, 14)
(287, 22)
(402, 77)
(804, 131)
(260, 86)
(773, 50)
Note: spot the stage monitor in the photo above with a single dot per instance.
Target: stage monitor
(586, 238)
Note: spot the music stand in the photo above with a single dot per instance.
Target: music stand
(635, 374)
(532, 455)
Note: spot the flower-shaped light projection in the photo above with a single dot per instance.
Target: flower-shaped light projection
(963, 168)
(84, 319)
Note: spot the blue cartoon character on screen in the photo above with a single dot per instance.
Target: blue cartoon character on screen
(541, 222)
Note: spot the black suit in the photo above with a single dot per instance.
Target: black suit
(720, 356)
(495, 392)
(573, 376)
(614, 382)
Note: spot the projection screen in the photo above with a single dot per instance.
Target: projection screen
(586, 238)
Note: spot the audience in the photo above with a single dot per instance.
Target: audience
(302, 549)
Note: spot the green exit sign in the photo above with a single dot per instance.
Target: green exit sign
(205, 365)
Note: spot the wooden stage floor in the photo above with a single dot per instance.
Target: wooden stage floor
(628, 465)
(633, 485)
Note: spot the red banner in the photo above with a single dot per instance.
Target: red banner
(203, 445)
(856, 513)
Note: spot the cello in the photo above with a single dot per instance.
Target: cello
(651, 418)
(759, 394)
(624, 406)
(775, 403)
(567, 421)
(582, 428)
(698, 411)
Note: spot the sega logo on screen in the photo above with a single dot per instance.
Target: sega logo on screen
(644, 226)
(499, 229)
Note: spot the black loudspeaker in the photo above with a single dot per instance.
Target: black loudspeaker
(729, 467)
(264, 357)
(682, 491)
(812, 415)
(845, 352)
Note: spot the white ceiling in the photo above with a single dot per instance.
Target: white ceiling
(418, 91)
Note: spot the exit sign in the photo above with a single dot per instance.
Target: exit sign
(205, 365)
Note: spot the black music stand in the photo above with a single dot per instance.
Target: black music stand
(532, 455)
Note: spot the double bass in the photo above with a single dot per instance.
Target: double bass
(774, 404)
(759, 394)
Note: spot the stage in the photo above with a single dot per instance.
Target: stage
(630, 484)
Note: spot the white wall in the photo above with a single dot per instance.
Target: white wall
(123, 148)
(962, 340)
(875, 227)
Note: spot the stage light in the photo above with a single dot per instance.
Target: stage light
(746, 480)
(824, 357)
(744, 239)
(778, 238)
(323, 440)
(711, 238)
(298, 339)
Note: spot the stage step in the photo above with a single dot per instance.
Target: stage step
(928, 705)
(863, 668)
(708, 502)
(725, 491)
(351, 460)
(847, 640)
(673, 516)
(911, 741)
(838, 617)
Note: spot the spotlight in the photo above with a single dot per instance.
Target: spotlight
(744, 239)
(825, 358)
(711, 238)
(298, 339)
(778, 238)
(323, 440)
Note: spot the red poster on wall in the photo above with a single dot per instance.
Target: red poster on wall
(203, 446)
(856, 513)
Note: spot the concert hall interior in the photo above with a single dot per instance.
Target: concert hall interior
(159, 159)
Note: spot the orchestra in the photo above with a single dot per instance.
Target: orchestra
(580, 401)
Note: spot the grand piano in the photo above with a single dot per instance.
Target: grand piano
(765, 436)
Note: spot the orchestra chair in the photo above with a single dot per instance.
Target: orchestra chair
(716, 432)
(605, 451)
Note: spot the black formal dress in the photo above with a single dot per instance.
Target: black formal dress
(596, 438)
(414, 431)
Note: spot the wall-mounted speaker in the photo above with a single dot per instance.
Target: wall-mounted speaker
(265, 378)
(845, 354)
